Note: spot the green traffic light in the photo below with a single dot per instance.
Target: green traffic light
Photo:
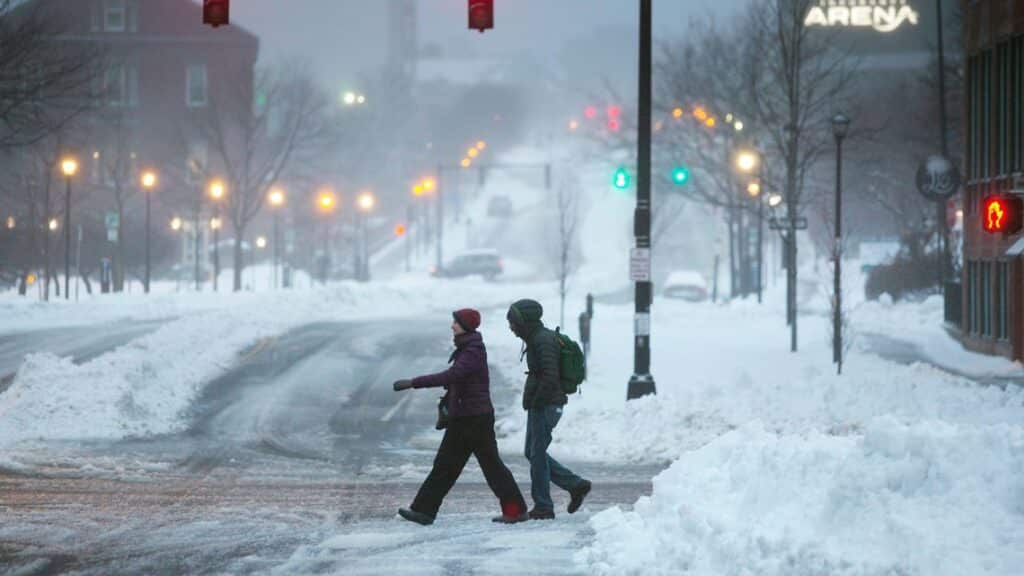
(680, 175)
(621, 180)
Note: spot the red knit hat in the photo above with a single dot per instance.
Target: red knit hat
(468, 318)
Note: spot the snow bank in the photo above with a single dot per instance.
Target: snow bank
(928, 498)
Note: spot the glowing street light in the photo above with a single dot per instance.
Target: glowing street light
(276, 197)
(261, 242)
(429, 184)
(677, 113)
(176, 223)
(326, 201)
(54, 225)
(774, 200)
(481, 145)
(69, 166)
(418, 190)
(573, 125)
(754, 189)
(747, 161)
(148, 181)
(466, 163)
(10, 223)
(217, 192)
(738, 126)
(472, 152)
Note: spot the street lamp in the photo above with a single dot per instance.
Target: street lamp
(261, 242)
(69, 166)
(148, 184)
(466, 163)
(276, 197)
(840, 125)
(54, 224)
(747, 161)
(774, 200)
(326, 203)
(366, 202)
(10, 223)
(217, 193)
(175, 224)
(481, 145)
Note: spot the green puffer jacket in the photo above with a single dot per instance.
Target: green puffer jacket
(543, 387)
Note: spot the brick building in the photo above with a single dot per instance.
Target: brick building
(993, 161)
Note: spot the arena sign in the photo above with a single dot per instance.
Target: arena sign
(882, 15)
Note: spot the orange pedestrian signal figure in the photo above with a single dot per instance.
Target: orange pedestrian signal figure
(1002, 214)
(481, 15)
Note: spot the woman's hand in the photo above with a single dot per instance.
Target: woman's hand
(400, 385)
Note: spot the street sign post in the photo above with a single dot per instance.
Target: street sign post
(640, 265)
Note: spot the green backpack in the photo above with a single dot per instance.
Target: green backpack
(572, 364)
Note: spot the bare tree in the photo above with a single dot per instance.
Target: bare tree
(565, 253)
(44, 84)
(258, 143)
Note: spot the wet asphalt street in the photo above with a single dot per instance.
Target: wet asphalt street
(294, 462)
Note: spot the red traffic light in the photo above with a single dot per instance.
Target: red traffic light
(216, 12)
(1001, 214)
(481, 15)
(590, 112)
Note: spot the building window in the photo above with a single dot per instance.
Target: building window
(121, 85)
(195, 86)
(114, 15)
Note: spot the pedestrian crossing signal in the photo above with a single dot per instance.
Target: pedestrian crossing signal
(1002, 214)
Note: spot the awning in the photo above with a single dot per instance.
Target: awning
(1017, 249)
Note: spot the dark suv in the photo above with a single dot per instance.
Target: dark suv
(486, 263)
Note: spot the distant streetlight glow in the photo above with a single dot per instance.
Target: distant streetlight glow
(774, 200)
(217, 189)
(366, 201)
(747, 161)
(573, 125)
(69, 166)
(176, 224)
(10, 222)
(754, 189)
(677, 113)
(276, 197)
(466, 163)
(148, 180)
(472, 152)
(54, 224)
(481, 145)
(261, 242)
(326, 201)
(215, 223)
(429, 184)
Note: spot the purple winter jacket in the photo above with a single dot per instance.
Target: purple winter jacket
(467, 379)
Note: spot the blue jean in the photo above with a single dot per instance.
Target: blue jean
(544, 469)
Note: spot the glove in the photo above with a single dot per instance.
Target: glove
(400, 385)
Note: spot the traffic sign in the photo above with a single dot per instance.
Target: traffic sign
(640, 265)
(783, 223)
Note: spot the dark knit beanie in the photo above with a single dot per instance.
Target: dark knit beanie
(468, 318)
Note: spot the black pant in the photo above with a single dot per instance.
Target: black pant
(464, 436)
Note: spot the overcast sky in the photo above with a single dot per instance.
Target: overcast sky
(342, 37)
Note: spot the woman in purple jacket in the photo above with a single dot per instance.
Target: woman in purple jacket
(470, 428)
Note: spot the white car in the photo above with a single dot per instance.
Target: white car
(686, 285)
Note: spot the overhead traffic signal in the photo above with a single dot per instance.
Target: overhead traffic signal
(1002, 214)
(216, 12)
(680, 175)
(621, 179)
(481, 15)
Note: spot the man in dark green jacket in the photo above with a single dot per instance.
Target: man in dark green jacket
(543, 400)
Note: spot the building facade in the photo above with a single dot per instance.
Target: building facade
(993, 163)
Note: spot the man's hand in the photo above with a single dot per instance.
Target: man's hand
(402, 385)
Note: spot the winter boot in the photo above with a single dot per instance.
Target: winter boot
(577, 495)
(511, 513)
(417, 517)
(542, 514)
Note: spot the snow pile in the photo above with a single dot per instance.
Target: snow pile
(928, 498)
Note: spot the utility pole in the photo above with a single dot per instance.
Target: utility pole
(940, 211)
(642, 383)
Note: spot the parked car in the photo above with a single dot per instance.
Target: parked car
(500, 207)
(686, 285)
(486, 263)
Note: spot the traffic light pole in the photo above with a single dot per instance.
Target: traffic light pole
(642, 383)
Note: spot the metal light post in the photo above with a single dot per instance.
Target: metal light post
(748, 162)
(69, 166)
(326, 202)
(217, 192)
(276, 199)
(840, 125)
(754, 190)
(176, 226)
(366, 203)
(148, 183)
(642, 383)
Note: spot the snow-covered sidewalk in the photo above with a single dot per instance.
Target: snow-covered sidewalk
(783, 467)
